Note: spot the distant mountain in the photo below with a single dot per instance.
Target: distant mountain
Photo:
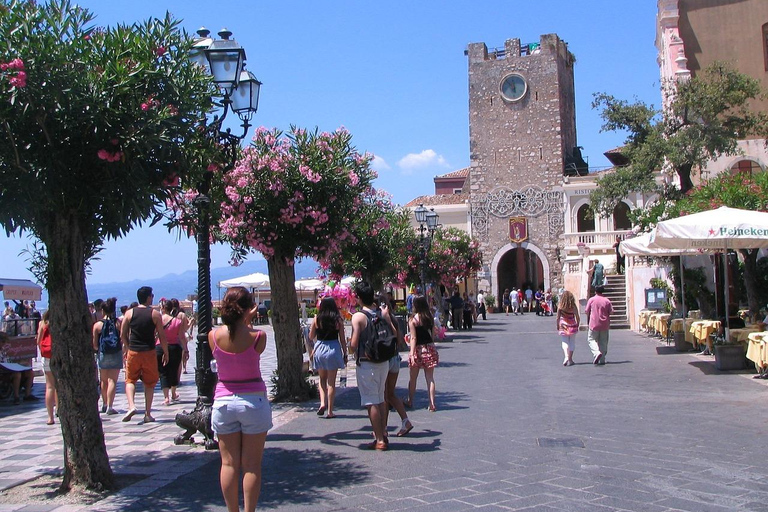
(182, 285)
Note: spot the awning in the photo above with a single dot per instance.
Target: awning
(20, 289)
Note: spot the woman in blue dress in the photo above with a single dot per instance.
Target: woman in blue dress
(329, 352)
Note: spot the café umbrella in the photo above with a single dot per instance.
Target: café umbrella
(720, 229)
(641, 246)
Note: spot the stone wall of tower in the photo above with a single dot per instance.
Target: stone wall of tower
(518, 149)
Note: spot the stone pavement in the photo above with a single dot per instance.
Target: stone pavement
(653, 430)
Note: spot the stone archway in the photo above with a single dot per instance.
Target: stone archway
(515, 265)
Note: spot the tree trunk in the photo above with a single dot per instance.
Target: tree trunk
(291, 385)
(86, 463)
(684, 173)
(750, 280)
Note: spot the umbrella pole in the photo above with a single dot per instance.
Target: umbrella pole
(727, 301)
(682, 286)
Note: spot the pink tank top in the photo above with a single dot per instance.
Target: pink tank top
(172, 332)
(239, 373)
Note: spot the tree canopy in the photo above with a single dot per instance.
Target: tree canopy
(704, 119)
(97, 127)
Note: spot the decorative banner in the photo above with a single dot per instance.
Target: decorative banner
(518, 229)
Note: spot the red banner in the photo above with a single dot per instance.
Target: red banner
(518, 229)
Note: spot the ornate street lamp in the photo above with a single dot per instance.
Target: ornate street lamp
(428, 221)
(224, 59)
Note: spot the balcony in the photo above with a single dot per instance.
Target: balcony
(596, 240)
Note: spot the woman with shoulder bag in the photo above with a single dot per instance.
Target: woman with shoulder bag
(567, 322)
(175, 328)
(423, 354)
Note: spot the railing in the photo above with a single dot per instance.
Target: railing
(599, 239)
(20, 327)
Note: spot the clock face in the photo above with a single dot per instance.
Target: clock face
(513, 87)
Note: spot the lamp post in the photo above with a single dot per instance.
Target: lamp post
(428, 222)
(224, 59)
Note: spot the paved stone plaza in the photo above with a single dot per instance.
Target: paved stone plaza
(653, 430)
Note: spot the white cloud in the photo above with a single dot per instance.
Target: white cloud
(379, 164)
(415, 161)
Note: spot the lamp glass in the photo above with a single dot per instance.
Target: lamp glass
(420, 213)
(432, 219)
(245, 99)
(226, 60)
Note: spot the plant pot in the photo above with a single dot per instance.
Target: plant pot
(680, 344)
(730, 357)
(490, 309)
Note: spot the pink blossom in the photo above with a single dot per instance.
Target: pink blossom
(160, 51)
(16, 64)
(144, 107)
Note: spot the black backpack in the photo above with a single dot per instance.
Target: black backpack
(380, 341)
(109, 339)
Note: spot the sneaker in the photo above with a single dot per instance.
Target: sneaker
(148, 418)
(597, 359)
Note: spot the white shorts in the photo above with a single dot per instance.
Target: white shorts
(371, 381)
(248, 413)
(46, 364)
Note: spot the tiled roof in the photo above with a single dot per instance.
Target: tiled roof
(438, 199)
(461, 173)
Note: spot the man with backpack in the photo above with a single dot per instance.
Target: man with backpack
(373, 342)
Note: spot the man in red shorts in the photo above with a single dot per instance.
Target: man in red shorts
(137, 332)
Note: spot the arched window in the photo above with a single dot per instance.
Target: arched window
(621, 217)
(585, 220)
(748, 167)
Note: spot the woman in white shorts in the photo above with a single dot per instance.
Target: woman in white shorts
(241, 413)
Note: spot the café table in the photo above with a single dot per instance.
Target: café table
(642, 319)
(701, 329)
(659, 323)
(757, 349)
(741, 335)
(683, 325)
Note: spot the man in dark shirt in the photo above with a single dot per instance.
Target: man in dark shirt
(137, 332)
(457, 310)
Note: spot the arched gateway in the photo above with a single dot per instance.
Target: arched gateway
(519, 265)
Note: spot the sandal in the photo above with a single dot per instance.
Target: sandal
(407, 404)
(330, 416)
(407, 427)
(432, 408)
(321, 411)
(49, 422)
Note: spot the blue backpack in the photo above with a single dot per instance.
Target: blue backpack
(109, 339)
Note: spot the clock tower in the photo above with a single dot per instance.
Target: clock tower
(522, 131)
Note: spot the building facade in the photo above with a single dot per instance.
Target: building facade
(693, 34)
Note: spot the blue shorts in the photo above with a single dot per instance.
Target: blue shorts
(394, 364)
(248, 413)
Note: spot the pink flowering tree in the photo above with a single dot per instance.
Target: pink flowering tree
(383, 240)
(97, 128)
(453, 257)
(291, 196)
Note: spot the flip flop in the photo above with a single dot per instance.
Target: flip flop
(321, 411)
(330, 416)
(404, 430)
(49, 422)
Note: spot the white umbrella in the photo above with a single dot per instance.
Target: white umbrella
(641, 246)
(720, 229)
(309, 284)
(257, 281)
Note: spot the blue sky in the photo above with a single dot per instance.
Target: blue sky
(395, 75)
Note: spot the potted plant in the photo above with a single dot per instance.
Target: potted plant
(490, 303)
(729, 356)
